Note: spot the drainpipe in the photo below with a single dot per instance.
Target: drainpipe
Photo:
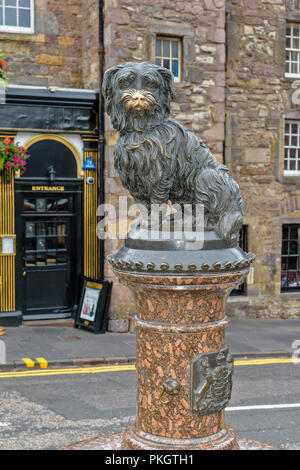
(101, 148)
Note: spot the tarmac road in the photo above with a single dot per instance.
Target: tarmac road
(39, 411)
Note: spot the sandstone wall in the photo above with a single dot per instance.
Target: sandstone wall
(51, 56)
(257, 97)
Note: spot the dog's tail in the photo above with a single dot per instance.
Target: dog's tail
(220, 196)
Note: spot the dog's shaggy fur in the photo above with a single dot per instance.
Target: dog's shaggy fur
(157, 158)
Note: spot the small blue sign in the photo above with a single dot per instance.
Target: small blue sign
(89, 164)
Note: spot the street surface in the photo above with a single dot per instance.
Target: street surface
(51, 411)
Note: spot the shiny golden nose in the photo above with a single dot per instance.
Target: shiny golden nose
(139, 99)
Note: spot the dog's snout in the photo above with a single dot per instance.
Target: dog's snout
(138, 96)
(139, 99)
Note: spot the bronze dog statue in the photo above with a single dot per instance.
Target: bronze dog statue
(157, 159)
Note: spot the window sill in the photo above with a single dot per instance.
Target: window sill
(292, 75)
(290, 294)
(238, 299)
(16, 30)
(292, 177)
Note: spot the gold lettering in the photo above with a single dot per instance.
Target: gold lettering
(48, 188)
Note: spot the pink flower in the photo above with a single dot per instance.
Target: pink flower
(8, 182)
(7, 165)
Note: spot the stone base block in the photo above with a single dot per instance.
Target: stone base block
(114, 442)
(135, 439)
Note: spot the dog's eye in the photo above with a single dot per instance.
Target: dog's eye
(126, 82)
(150, 83)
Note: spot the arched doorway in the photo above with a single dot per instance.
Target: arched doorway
(49, 229)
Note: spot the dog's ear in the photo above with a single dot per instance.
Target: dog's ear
(107, 80)
(168, 81)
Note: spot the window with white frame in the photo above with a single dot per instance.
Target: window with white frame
(168, 55)
(292, 147)
(292, 50)
(17, 16)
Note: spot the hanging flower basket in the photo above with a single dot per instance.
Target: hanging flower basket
(12, 158)
(3, 78)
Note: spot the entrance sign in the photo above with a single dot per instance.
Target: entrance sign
(93, 308)
(47, 188)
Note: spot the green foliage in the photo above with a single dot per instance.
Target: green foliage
(12, 157)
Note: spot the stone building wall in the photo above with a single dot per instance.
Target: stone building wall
(131, 27)
(258, 96)
(90, 44)
(51, 56)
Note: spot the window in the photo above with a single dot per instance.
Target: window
(292, 60)
(17, 16)
(168, 55)
(290, 266)
(292, 147)
(243, 244)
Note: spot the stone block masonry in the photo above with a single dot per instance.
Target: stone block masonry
(258, 96)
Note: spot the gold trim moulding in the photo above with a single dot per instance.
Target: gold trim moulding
(13, 236)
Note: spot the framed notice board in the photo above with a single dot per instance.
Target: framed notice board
(93, 308)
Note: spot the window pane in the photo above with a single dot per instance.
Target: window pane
(175, 68)
(175, 49)
(166, 48)
(64, 204)
(294, 248)
(296, 31)
(24, 3)
(29, 244)
(296, 43)
(24, 18)
(1, 15)
(11, 3)
(158, 62)
(288, 30)
(294, 128)
(158, 48)
(29, 204)
(41, 205)
(294, 232)
(293, 262)
(10, 17)
(167, 63)
(51, 205)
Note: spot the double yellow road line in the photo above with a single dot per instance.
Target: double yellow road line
(44, 371)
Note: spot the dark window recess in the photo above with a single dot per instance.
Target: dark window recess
(48, 153)
(243, 243)
(290, 267)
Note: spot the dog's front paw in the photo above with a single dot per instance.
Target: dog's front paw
(229, 224)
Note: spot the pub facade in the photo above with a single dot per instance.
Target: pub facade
(48, 226)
